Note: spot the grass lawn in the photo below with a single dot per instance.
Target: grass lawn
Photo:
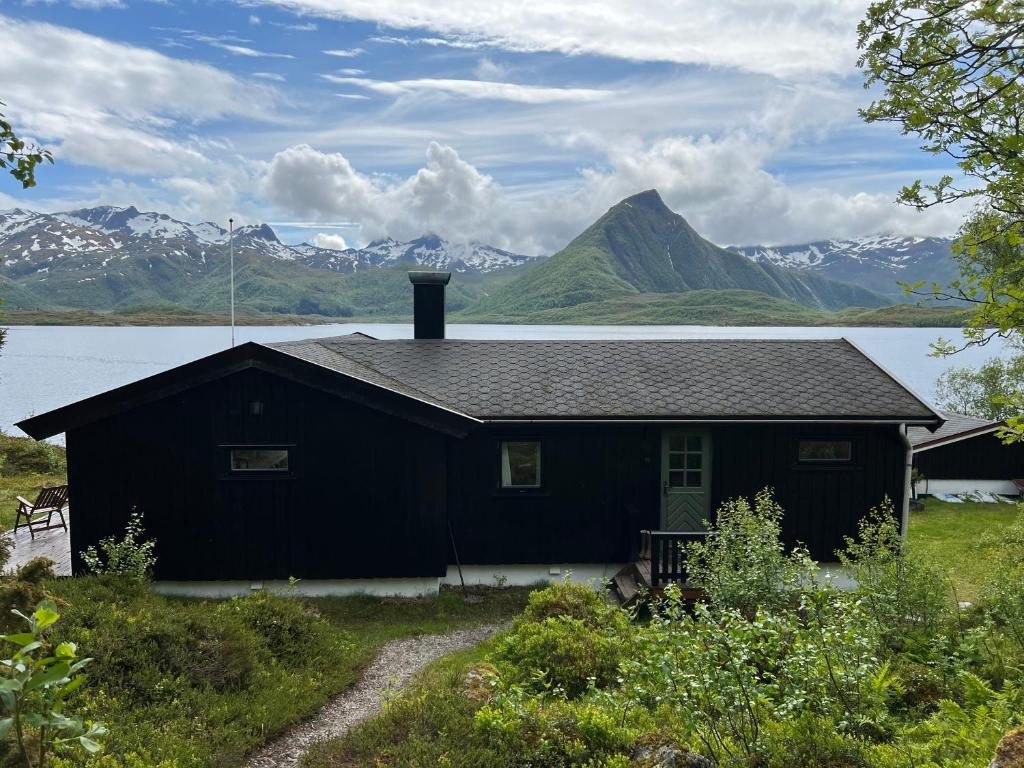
(25, 467)
(199, 683)
(26, 485)
(955, 535)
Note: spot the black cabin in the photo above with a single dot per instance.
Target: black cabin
(966, 455)
(381, 465)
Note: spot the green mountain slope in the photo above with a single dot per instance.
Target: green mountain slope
(640, 246)
(166, 278)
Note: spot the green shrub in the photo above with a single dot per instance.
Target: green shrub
(744, 564)
(1005, 586)
(559, 652)
(35, 683)
(196, 684)
(130, 556)
(553, 733)
(23, 456)
(575, 601)
(36, 570)
(907, 597)
(809, 741)
(22, 590)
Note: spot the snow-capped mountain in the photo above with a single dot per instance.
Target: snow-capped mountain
(107, 257)
(28, 239)
(437, 253)
(878, 262)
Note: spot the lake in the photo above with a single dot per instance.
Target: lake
(43, 367)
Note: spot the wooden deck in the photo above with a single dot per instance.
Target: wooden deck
(54, 544)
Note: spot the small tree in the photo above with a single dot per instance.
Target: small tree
(744, 564)
(988, 392)
(132, 556)
(34, 684)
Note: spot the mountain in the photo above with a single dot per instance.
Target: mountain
(108, 258)
(641, 247)
(877, 262)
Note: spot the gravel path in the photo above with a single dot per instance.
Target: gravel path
(396, 664)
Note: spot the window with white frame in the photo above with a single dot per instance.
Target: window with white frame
(520, 464)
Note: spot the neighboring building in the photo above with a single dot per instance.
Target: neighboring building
(358, 464)
(965, 455)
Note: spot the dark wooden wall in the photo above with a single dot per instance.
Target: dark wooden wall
(371, 495)
(984, 457)
(591, 477)
(601, 486)
(822, 502)
(365, 497)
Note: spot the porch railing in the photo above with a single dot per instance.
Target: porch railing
(665, 551)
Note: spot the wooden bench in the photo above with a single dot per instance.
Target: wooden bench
(39, 516)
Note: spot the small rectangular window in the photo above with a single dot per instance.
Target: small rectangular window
(824, 451)
(520, 464)
(259, 459)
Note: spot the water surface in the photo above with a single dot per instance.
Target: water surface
(43, 367)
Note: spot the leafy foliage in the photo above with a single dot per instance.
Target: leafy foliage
(812, 676)
(566, 641)
(34, 684)
(988, 392)
(1005, 585)
(743, 565)
(905, 597)
(19, 157)
(21, 456)
(951, 73)
(131, 556)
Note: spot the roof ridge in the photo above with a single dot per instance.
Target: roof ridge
(426, 397)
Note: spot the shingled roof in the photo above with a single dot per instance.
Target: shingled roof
(957, 427)
(691, 379)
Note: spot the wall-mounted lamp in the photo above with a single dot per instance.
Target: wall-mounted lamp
(256, 407)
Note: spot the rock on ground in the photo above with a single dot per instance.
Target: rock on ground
(1010, 751)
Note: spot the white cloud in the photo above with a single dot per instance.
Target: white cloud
(719, 185)
(278, 78)
(353, 96)
(474, 89)
(434, 42)
(487, 69)
(239, 50)
(784, 38)
(334, 242)
(344, 53)
(351, 72)
(448, 195)
(254, 19)
(115, 106)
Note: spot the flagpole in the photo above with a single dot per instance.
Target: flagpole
(231, 248)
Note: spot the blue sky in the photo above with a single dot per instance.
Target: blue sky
(512, 123)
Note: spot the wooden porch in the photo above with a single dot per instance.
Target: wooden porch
(660, 561)
(54, 544)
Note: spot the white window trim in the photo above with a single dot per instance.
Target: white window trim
(506, 468)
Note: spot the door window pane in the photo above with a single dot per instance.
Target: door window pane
(693, 479)
(694, 443)
(259, 459)
(694, 460)
(677, 461)
(676, 443)
(520, 464)
(677, 479)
